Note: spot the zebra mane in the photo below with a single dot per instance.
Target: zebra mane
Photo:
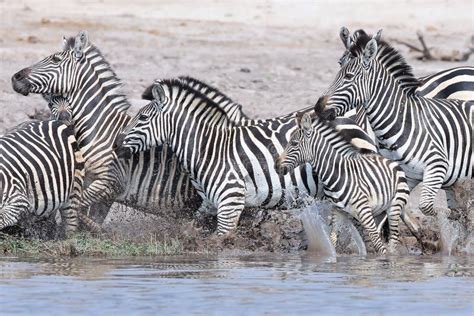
(106, 71)
(183, 86)
(390, 58)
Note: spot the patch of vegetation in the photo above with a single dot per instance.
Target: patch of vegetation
(83, 244)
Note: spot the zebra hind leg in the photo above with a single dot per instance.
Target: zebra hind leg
(366, 218)
(13, 207)
(393, 215)
(432, 180)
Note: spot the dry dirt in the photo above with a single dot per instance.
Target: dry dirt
(271, 56)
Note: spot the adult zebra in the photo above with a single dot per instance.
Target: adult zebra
(364, 185)
(150, 180)
(230, 166)
(431, 138)
(41, 171)
(454, 83)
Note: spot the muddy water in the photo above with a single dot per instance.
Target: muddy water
(238, 284)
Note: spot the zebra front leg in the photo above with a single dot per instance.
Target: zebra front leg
(69, 213)
(228, 214)
(433, 178)
(332, 221)
(366, 218)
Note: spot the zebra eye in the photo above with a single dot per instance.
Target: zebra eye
(144, 117)
(348, 76)
(56, 59)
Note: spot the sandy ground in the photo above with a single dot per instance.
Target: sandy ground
(271, 56)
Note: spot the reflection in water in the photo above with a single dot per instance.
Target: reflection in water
(258, 283)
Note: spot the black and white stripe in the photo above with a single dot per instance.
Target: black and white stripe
(41, 171)
(231, 166)
(455, 83)
(432, 139)
(364, 185)
(150, 181)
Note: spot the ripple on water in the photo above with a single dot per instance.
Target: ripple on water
(278, 284)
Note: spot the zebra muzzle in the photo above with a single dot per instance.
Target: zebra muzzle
(19, 82)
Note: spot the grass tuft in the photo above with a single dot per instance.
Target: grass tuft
(84, 244)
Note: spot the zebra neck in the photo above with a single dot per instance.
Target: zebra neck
(387, 110)
(327, 159)
(99, 111)
(196, 146)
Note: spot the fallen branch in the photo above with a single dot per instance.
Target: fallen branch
(429, 54)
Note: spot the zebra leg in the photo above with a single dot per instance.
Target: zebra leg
(69, 213)
(333, 235)
(393, 219)
(433, 178)
(228, 213)
(366, 218)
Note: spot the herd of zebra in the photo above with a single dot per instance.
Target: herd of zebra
(376, 133)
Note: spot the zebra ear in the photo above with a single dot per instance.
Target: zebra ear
(369, 53)
(80, 42)
(159, 93)
(378, 35)
(345, 36)
(306, 123)
(64, 47)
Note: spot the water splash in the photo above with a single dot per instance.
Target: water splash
(317, 231)
(347, 231)
(450, 232)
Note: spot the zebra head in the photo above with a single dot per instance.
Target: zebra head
(148, 128)
(348, 40)
(56, 73)
(60, 108)
(354, 82)
(298, 150)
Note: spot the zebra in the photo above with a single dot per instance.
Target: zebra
(454, 83)
(431, 138)
(150, 180)
(231, 166)
(363, 184)
(41, 171)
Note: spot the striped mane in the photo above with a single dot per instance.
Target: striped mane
(391, 60)
(203, 101)
(102, 67)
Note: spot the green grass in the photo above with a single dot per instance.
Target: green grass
(87, 245)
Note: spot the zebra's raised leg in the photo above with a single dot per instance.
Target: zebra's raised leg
(433, 178)
(366, 218)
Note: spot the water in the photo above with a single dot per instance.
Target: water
(238, 284)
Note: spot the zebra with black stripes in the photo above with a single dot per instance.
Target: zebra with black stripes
(232, 167)
(41, 171)
(363, 184)
(150, 180)
(432, 139)
(455, 83)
